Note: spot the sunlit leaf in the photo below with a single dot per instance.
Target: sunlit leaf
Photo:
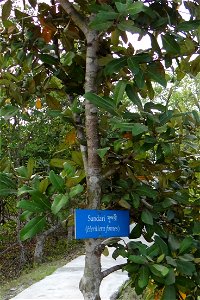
(159, 270)
(101, 102)
(34, 226)
(147, 217)
(57, 181)
(30, 166)
(30, 206)
(59, 202)
(75, 190)
(102, 152)
(143, 278)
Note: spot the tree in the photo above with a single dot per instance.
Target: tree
(83, 46)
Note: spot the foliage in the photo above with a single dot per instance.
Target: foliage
(149, 149)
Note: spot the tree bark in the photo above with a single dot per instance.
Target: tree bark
(92, 277)
(40, 240)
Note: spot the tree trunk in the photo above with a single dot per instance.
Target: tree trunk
(90, 283)
(40, 240)
(39, 247)
(92, 277)
(91, 280)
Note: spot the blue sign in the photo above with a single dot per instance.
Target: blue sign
(91, 223)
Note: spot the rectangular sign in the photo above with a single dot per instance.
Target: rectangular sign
(91, 223)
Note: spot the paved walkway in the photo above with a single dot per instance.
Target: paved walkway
(64, 282)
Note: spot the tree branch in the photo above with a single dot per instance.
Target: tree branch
(149, 206)
(77, 18)
(110, 172)
(112, 269)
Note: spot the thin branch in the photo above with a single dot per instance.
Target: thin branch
(52, 229)
(110, 173)
(77, 18)
(149, 206)
(7, 249)
(112, 269)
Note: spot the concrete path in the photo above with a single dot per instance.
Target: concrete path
(64, 282)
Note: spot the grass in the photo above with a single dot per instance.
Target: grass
(30, 275)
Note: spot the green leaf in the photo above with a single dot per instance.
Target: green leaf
(57, 181)
(169, 293)
(143, 278)
(7, 185)
(173, 242)
(135, 8)
(30, 166)
(138, 259)
(139, 128)
(115, 65)
(75, 190)
(188, 25)
(67, 58)
(57, 162)
(139, 79)
(133, 96)
(129, 26)
(186, 244)
(8, 111)
(185, 267)
(152, 251)
(49, 59)
(25, 215)
(105, 16)
(101, 102)
(100, 26)
(123, 203)
(77, 158)
(170, 278)
(171, 261)
(41, 199)
(133, 65)
(162, 245)
(102, 152)
(6, 10)
(69, 168)
(160, 258)
(159, 270)
(119, 91)
(147, 217)
(157, 73)
(23, 172)
(30, 206)
(135, 128)
(43, 185)
(145, 190)
(170, 44)
(136, 232)
(32, 228)
(196, 228)
(24, 189)
(59, 202)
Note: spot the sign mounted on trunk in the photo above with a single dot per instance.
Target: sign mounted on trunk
(91, 223)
